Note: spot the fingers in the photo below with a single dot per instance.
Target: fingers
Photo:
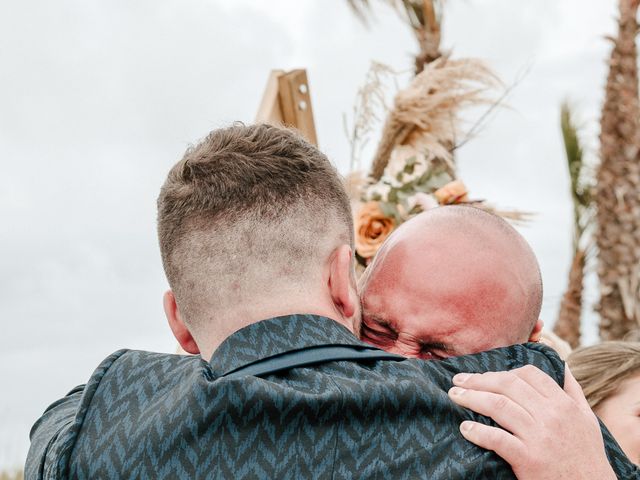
(570, 396)
(542, 419)
(491, 438)
(574, 390)
(504, 411)
(538, 380)
(503, 383)
(521, 384)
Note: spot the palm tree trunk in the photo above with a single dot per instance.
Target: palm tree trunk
(618, 186)
(567, 326)
(428, 36)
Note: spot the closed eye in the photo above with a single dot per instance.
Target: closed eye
(378, 334)
(429, 355)
(434, 351)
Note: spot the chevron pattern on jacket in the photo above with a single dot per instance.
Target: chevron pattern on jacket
(154, 416)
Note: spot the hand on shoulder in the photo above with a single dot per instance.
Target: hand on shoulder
(547, 432)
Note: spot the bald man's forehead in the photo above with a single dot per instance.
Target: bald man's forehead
(472, 285)
(465, 238)
(440, 272)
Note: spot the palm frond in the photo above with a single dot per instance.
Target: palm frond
(581, 181)
(573, 149)
(417, 13)
(361, 9)
(567, 325)
(423, 16)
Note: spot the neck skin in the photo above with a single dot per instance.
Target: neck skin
(332, 294)
(209, 341)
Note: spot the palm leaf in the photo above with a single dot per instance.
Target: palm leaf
(581, 182)
(423, 16)
(417, 13)
(361, 9)
(567, 325)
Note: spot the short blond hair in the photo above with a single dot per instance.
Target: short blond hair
(601, 369)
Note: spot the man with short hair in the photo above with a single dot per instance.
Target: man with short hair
(255, 236)
(451, 281)
(253, 223)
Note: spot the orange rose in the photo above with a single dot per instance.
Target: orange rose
(372, 228)
(452, 192)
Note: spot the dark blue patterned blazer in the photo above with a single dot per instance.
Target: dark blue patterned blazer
(149, 416)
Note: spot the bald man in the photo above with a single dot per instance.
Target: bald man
(451, 281)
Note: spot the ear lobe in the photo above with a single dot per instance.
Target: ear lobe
(179, 329)
(341, 283)
(536, 333)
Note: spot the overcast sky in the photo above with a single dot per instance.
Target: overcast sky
(98, 100)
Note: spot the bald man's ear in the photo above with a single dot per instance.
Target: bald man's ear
(536, 333)
(342, 283)
(179, 329)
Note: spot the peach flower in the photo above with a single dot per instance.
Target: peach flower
(452, 192)
(372, 228)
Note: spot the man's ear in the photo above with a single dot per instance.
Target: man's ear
(341, 282)
(536, 333)
(179, 329)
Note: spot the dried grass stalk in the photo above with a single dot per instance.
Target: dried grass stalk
(514, 216)
(428, 110)
(369, 107)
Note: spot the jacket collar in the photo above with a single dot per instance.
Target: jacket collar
(276, 336)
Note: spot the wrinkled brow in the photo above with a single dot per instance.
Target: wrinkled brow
(383, 322)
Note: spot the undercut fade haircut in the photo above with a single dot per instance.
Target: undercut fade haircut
(247, 209)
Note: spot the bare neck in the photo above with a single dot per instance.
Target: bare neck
(225, 324)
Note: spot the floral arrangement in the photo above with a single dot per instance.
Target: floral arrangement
(413, 169)
(412, 183)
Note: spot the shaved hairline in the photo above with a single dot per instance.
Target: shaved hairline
(264, 256)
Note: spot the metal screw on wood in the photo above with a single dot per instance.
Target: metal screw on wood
(302, 105)
(302, 88)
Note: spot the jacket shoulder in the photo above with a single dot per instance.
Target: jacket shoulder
(53, 436)
(508, 358)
